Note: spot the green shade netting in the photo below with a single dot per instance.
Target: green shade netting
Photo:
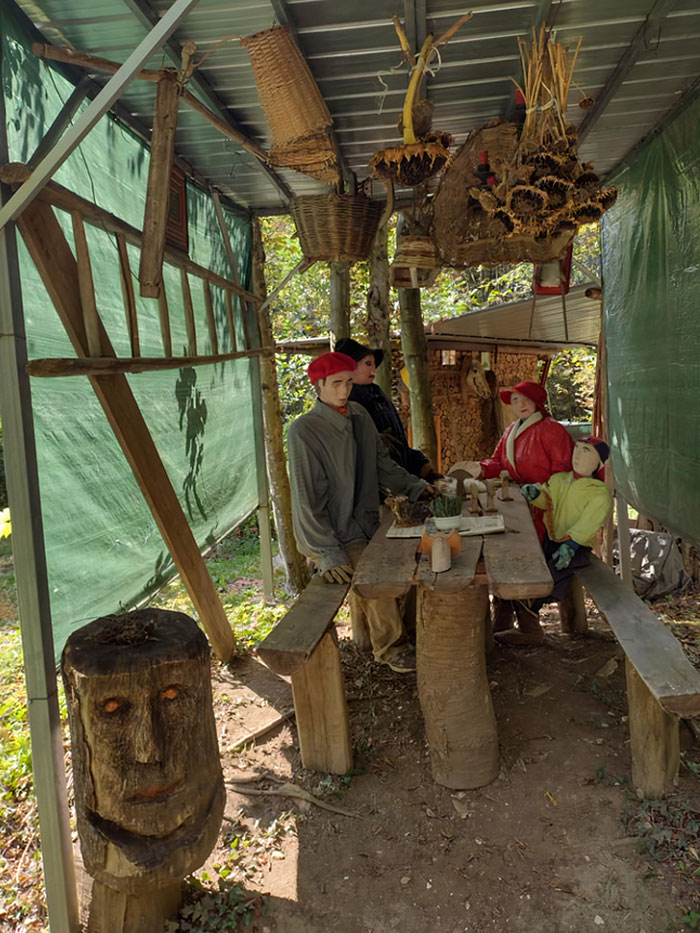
(651, 264)
(103, 548)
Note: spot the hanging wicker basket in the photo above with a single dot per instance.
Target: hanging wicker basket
(416, 263)
(294, 109)
(336, 227)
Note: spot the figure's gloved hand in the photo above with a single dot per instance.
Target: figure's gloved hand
(428, 494)
(564, 553)
(340, 574)
(530, 491)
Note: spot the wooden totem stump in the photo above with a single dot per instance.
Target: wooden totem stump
(453, 688)
(149, 792)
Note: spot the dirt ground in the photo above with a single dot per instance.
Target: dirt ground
(543, 848)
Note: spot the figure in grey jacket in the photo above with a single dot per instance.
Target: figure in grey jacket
(337, 465)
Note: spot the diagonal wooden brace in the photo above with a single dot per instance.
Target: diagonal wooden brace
(57, 266)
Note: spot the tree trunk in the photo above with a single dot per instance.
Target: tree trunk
(340, 301)
(415, 354)
(378, 310)
(297, 573)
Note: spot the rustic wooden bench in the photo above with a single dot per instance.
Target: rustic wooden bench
(662, 684)
(303, 644)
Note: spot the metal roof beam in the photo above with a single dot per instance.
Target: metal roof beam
(145, 13)
(284, 18)
(639, 44)
(112, 90)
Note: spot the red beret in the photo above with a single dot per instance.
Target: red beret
(328, 364)
(532, 390)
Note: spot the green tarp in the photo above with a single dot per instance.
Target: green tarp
(651, 268)
(103, 548)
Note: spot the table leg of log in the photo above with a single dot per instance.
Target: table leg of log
(654, 740)
(116, 912)
(322, 711)
(572, 610)
(453, 687)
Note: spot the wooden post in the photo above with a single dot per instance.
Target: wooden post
(164, 318)
(572, 610)
(211, 321)
(623, 540)
(57, 267)
(378, 309)
(415, 354)
(158, 189)
(297, 574)
(453, 686)
(87, 287)
(321, 710)
(189, 313)
(654, 739)
(48, 764)
(340, 300)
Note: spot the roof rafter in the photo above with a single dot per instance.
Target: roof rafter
(143, 10)
(654, 18)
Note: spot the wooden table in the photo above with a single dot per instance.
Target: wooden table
(453, 609)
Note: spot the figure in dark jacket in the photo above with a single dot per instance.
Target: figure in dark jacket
(381, 408)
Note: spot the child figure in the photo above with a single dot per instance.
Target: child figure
(574, 506)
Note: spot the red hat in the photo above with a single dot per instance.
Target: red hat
(328, 364)
(532, 390)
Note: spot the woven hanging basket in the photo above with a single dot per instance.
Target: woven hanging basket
(510, 249)
(416, 263)
(336, 227)
(294, 109)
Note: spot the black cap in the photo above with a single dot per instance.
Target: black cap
(357, 351)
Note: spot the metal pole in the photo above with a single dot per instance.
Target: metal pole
(33, 598)
(252, 331)
(97, 108)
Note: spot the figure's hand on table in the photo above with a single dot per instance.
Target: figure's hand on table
(428, 494)
(445, 486)
(340, 574)
(563, 555)
(530, 491)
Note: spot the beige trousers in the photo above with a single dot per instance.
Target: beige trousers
(382, 616)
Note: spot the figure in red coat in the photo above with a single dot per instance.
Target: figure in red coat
(532, 448)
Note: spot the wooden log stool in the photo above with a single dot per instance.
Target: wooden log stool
(149, 792)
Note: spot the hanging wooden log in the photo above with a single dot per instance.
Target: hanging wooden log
(158, 187)
(57, 267)
(148, 805)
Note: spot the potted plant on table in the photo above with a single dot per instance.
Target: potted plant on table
(446, 511)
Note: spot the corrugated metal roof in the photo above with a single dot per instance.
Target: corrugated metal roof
(540, 321)
(352, 48)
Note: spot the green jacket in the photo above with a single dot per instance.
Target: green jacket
(573, 508)
(337, 464)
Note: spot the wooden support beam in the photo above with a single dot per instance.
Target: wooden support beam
(230, 317)
(654, 739)
(572, 611)
(132, 324)
(54, 367)
(415, 354)
(211, 322)
(158, 187)
(14, 173)
(340, 300)
(189, 313)
(164, 318)
(87, 288)
(58, 269)
(378, 307)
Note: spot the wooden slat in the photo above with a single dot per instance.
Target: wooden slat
(58, 269)
(655, 653)
(387, 566)
(654, 739)
(104, 365)
(211, 322)
(514, 561)
(292, 641)
(230, 318)
(189, 313)
(164, 317)
(460, 575)
(87, 287)
(158, 188)
(128, 295)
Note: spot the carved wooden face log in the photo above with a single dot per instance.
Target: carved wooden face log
(148, 783)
